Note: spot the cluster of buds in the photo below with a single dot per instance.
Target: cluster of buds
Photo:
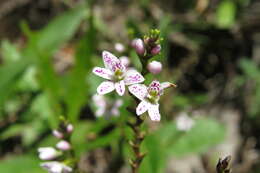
(147, 48)
(53, 155)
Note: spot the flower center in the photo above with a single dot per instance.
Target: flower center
(119, 71)
(154, 92)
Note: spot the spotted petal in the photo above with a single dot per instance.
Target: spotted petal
(105, 87)
(109, 59)
(103, 72)
(154, 113)
(133, 77)
(120, 87)
(142, 107)
(138, 90)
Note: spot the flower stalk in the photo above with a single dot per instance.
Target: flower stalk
(136, 142)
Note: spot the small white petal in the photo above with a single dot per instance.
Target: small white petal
(165, 85)
(105, 87)
(138, 90)
(120, 87)
(109, 59)
(154, 113)
(133, 77)
(142, 107)
(102, 72)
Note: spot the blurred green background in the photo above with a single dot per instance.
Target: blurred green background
(211, 50)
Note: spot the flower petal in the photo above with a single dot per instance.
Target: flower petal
(133, 77)
(165, 85)
(102, 72)
(142, 107)
(109, 59)
(105, 87)
(120, 87)
(138, 90)
(154, 113)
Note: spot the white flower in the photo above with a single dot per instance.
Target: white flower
(48, 153)
(104, 107)
(116, 74)
(149, 98)
(56, 167)
(184, 122)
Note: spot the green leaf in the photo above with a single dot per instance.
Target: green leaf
(168, 141)
(12, 131)
(9, 52)
(77, 90)
(60, 30)
(9, 75)
(250, 69)
(204, 134)
(226, 13)
(154, 161)
(21, 164)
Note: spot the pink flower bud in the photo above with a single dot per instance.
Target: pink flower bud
(119, 47)
(70, 128)
(125, 61)
(47, 153)
(63, 145)
(154, 67)
(156, 50)
(57, 134)
(138, 44)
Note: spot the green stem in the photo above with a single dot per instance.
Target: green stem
(136, 143)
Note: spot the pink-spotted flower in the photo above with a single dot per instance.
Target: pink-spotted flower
(117, 75)
(149, 97)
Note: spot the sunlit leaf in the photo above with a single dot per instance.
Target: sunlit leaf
(226, 13)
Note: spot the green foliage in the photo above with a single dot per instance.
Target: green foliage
(251, 74)
(168, 141)
(226, 13)
(21, 164)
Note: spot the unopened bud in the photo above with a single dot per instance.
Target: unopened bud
(138, 44)
(57, 134)
(154, 67)
(119, 47)
(156, 50)
(47, 153)
(70, 128)
(125, 61)
(63, 145)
